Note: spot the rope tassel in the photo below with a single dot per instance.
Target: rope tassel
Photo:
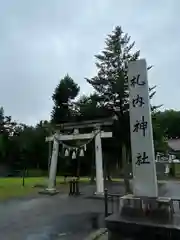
(66, 153)
(81, 154)
(74, 155)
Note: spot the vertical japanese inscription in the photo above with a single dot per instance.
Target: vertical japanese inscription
(144, 169)
(136, 81)
(140, 125)
(138, 101)
(142, 159)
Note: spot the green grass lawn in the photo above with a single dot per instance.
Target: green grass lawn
(12, 187)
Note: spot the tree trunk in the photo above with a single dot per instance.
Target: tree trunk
(78, 167)
(117, 165)
(125, 170)
(108, 173)
(106, 167)
(92, 180)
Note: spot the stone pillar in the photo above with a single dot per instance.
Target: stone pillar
(53, 166)
(99, 164)
(142, 146)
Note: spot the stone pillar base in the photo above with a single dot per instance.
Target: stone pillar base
(160, 208)
(99, 193)
(144, 218)
(49, 191)
(120, 227)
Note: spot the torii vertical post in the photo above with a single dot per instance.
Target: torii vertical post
(99, 163)
(53, 165)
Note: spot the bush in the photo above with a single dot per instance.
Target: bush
(36, 173)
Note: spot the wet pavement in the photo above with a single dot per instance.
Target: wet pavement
(172, 189)
(60, 216)
(50, 217)
(57, 217)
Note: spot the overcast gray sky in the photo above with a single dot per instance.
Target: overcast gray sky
(42, 40)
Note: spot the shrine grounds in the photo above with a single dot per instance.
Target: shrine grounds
(11, 187)
(46, 217)
(40, 217)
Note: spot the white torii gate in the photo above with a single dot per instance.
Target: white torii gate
(98, 156)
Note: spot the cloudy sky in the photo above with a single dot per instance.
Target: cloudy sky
(42, 40)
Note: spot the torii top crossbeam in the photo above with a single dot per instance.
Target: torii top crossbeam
(85, 124)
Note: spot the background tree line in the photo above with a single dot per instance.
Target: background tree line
(23, 146)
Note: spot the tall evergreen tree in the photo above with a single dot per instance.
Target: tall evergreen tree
(111, 83)
(88, 108)
(111, 80)
(62, 97)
